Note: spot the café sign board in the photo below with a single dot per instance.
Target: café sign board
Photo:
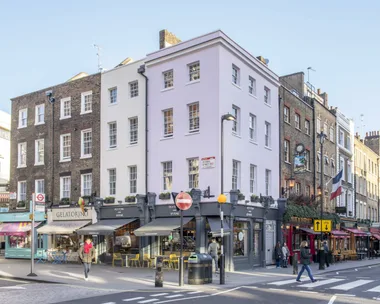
(70, 214)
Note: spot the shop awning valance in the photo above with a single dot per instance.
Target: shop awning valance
(356, 232)
(309, 231)
(214, 223)
(339, 234)
(16, 228)
(62, 227)
(105, 227)
(376, 236)
(161, 226)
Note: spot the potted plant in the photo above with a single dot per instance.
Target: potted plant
(241, 197)
(21, 205)
(130, 199)
(65, 201)
(164, 196)
(109, 200)
(255, 199)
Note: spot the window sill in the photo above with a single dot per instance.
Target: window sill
(39, 123)
(236, 135)
(253, 96)
(22, 127)
(298, 129)
(167, 89)
(192, 133)
(65, 117)
(86, 156)
(132, 97)
(22, 166)
(65, 160)
(236, 85)
(268, 104)
(286, 162)
(193, 82)
(83, 113)
(39, 164)
(253, 142)
(166, 138)
(111, 148)
(268, 148)
(132, 145)
(287, 122)
(113, 104)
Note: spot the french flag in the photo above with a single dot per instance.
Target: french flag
(336, 186)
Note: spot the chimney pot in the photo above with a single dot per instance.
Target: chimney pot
(366, 134)
(319, 91)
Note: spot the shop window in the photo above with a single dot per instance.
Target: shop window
(19, 241)
(67, 242)
(171, 244)
(241, 239)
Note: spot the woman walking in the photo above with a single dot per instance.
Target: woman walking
(278, 254)
(86, 254)
(305, 261)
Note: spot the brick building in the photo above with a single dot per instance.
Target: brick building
(55, 142)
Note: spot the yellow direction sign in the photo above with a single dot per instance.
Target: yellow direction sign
(322, 225)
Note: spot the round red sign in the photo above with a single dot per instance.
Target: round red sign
(183, 201)
(40, 197)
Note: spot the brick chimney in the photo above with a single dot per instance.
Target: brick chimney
(325, 97)
(168, 39)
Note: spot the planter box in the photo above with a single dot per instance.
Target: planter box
(109, 200)
(164, 196)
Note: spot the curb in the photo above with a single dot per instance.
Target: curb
(30, 280)
(345, 269)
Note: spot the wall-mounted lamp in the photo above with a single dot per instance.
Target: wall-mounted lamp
(297, 227)
(319, 190)
(287, 226)
(291, 181)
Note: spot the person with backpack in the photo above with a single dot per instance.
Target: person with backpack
(305, 261)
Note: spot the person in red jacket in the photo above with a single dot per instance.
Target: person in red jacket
(87, 254)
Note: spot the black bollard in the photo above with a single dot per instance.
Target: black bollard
(295, 263)
(159, 278)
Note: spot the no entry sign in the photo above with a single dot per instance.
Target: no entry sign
(183, 201)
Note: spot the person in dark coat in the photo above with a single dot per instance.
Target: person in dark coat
(87, 254)
(278, 254)
(305, 261)
(326, 250)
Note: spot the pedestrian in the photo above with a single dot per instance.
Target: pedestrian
(213, 249)
(278, 254)
(86, 254)
(305, 261)
(326, 250)
(285, 255)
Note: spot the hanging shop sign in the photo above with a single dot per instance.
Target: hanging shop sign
(299, 163)
(70, 214)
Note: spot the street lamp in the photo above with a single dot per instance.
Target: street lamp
(222, 198)
(322, 136)
(291, 181)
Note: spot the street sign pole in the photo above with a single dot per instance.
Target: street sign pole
(32, 274)
(181, 253)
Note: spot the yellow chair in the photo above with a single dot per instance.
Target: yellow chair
(136, 260)
(117, 257)
(146, 259)
(173, 260)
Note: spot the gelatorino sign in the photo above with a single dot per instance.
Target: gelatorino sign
(70, 214)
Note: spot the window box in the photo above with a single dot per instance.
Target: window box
(164, 196)
(64, 201)
(130, 199)
(241, 197)
(109, 200)
(255, 199)
(21, 205)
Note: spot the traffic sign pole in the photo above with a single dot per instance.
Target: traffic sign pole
(32, 274)
(181, 254)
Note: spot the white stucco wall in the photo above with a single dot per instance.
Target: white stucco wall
(5, 145)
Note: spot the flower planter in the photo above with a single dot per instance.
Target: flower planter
(21, 205)
(65, 201)
(130, 199)
(109, 200)
(255, 199)
(241, 197)
(164, 196)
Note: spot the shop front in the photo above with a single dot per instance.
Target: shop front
(375, 240)
(16, 230)
(359, 241)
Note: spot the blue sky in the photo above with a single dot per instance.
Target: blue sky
(46, 42)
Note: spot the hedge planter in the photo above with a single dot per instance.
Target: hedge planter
(109, 200)
(21, 205)
(164, 196)
(255, 199)
(130, 199)
(241, 197)
(64, 201)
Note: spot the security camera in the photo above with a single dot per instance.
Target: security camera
(49, 93)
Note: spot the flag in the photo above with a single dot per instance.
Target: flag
(336, 185)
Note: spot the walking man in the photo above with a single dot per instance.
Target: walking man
(213, 249)
(326, 250)
(86, 254)
(305, 261)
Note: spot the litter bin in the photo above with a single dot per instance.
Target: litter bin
(200, 269)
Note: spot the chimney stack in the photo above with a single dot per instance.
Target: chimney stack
(168, 39)
(366, 134)
(319, 91)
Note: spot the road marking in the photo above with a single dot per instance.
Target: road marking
(159, 294)
(148, 301)
(14, 280)
(13, 287)
(280, 283)
(109, 303)
(363, 277)
(277, 289)
(344, 295)
(352, 285)
(375, 289)
(194, 292)
(174, 296)
(306, 291)
(133, 299)
(321, 283)
(333, 298)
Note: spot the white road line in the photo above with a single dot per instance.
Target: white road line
(352, 285)
(375, 289)
(333, 298)
(13, 287)
(194, 292)
(133, 299)
(277, 289)
(321, 283)
(109, 303)
(280, 283)
(306, 291)
(159, 294)
(174, 296)
(147, 301)
(344, 295)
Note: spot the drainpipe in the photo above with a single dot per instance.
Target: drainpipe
(141, 71)
(280, 145)
(315, 154)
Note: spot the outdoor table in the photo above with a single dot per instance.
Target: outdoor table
(58, 258)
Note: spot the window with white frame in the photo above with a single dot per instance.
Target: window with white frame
(112, 181)
(307, 127)
(332, 134)
(298, 188)
(235, 175)
(267, 95)
(132, 179)
(65, 147)
(194, 71)
(286, 150)
(113, 95)
(318, 125)
(86, 102)
(297, 121)
(86, 143)
(252, 86)
(168, 123)
(65, 183)
(268, 185)
(307, 158)
(193, 117)
(86, 184)
(66, 108)
(193, 166)
(133, 130)
(236, 122)
(40, 114)
(235, 75)
(112, 134)
(252, 127)
(39, 186)
(22, 118)
(341, 167)
(286, 114)
(252, 179)
(167, 175)
(21, 191)
(308, 191)
(168, 79)
(134, 88)
(39, 152)
(267, 134)
(21, 155)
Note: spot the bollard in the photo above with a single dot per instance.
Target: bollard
(295, 263)
(159, 278)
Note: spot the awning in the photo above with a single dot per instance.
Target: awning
(356, 232)
(214, 223)
(105, 227)
(339, 234)
(62, 227)
(17, 228)
(309, 231)
(161, 226)
(376, 236)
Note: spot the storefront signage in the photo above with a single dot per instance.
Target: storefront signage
(301, 220)
(70, 214)
(173, 210)
(208, 162)
(12, 195)
(250, 211)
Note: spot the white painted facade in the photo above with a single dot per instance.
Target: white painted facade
(126, 156)
(5, 146)
(216, 95)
